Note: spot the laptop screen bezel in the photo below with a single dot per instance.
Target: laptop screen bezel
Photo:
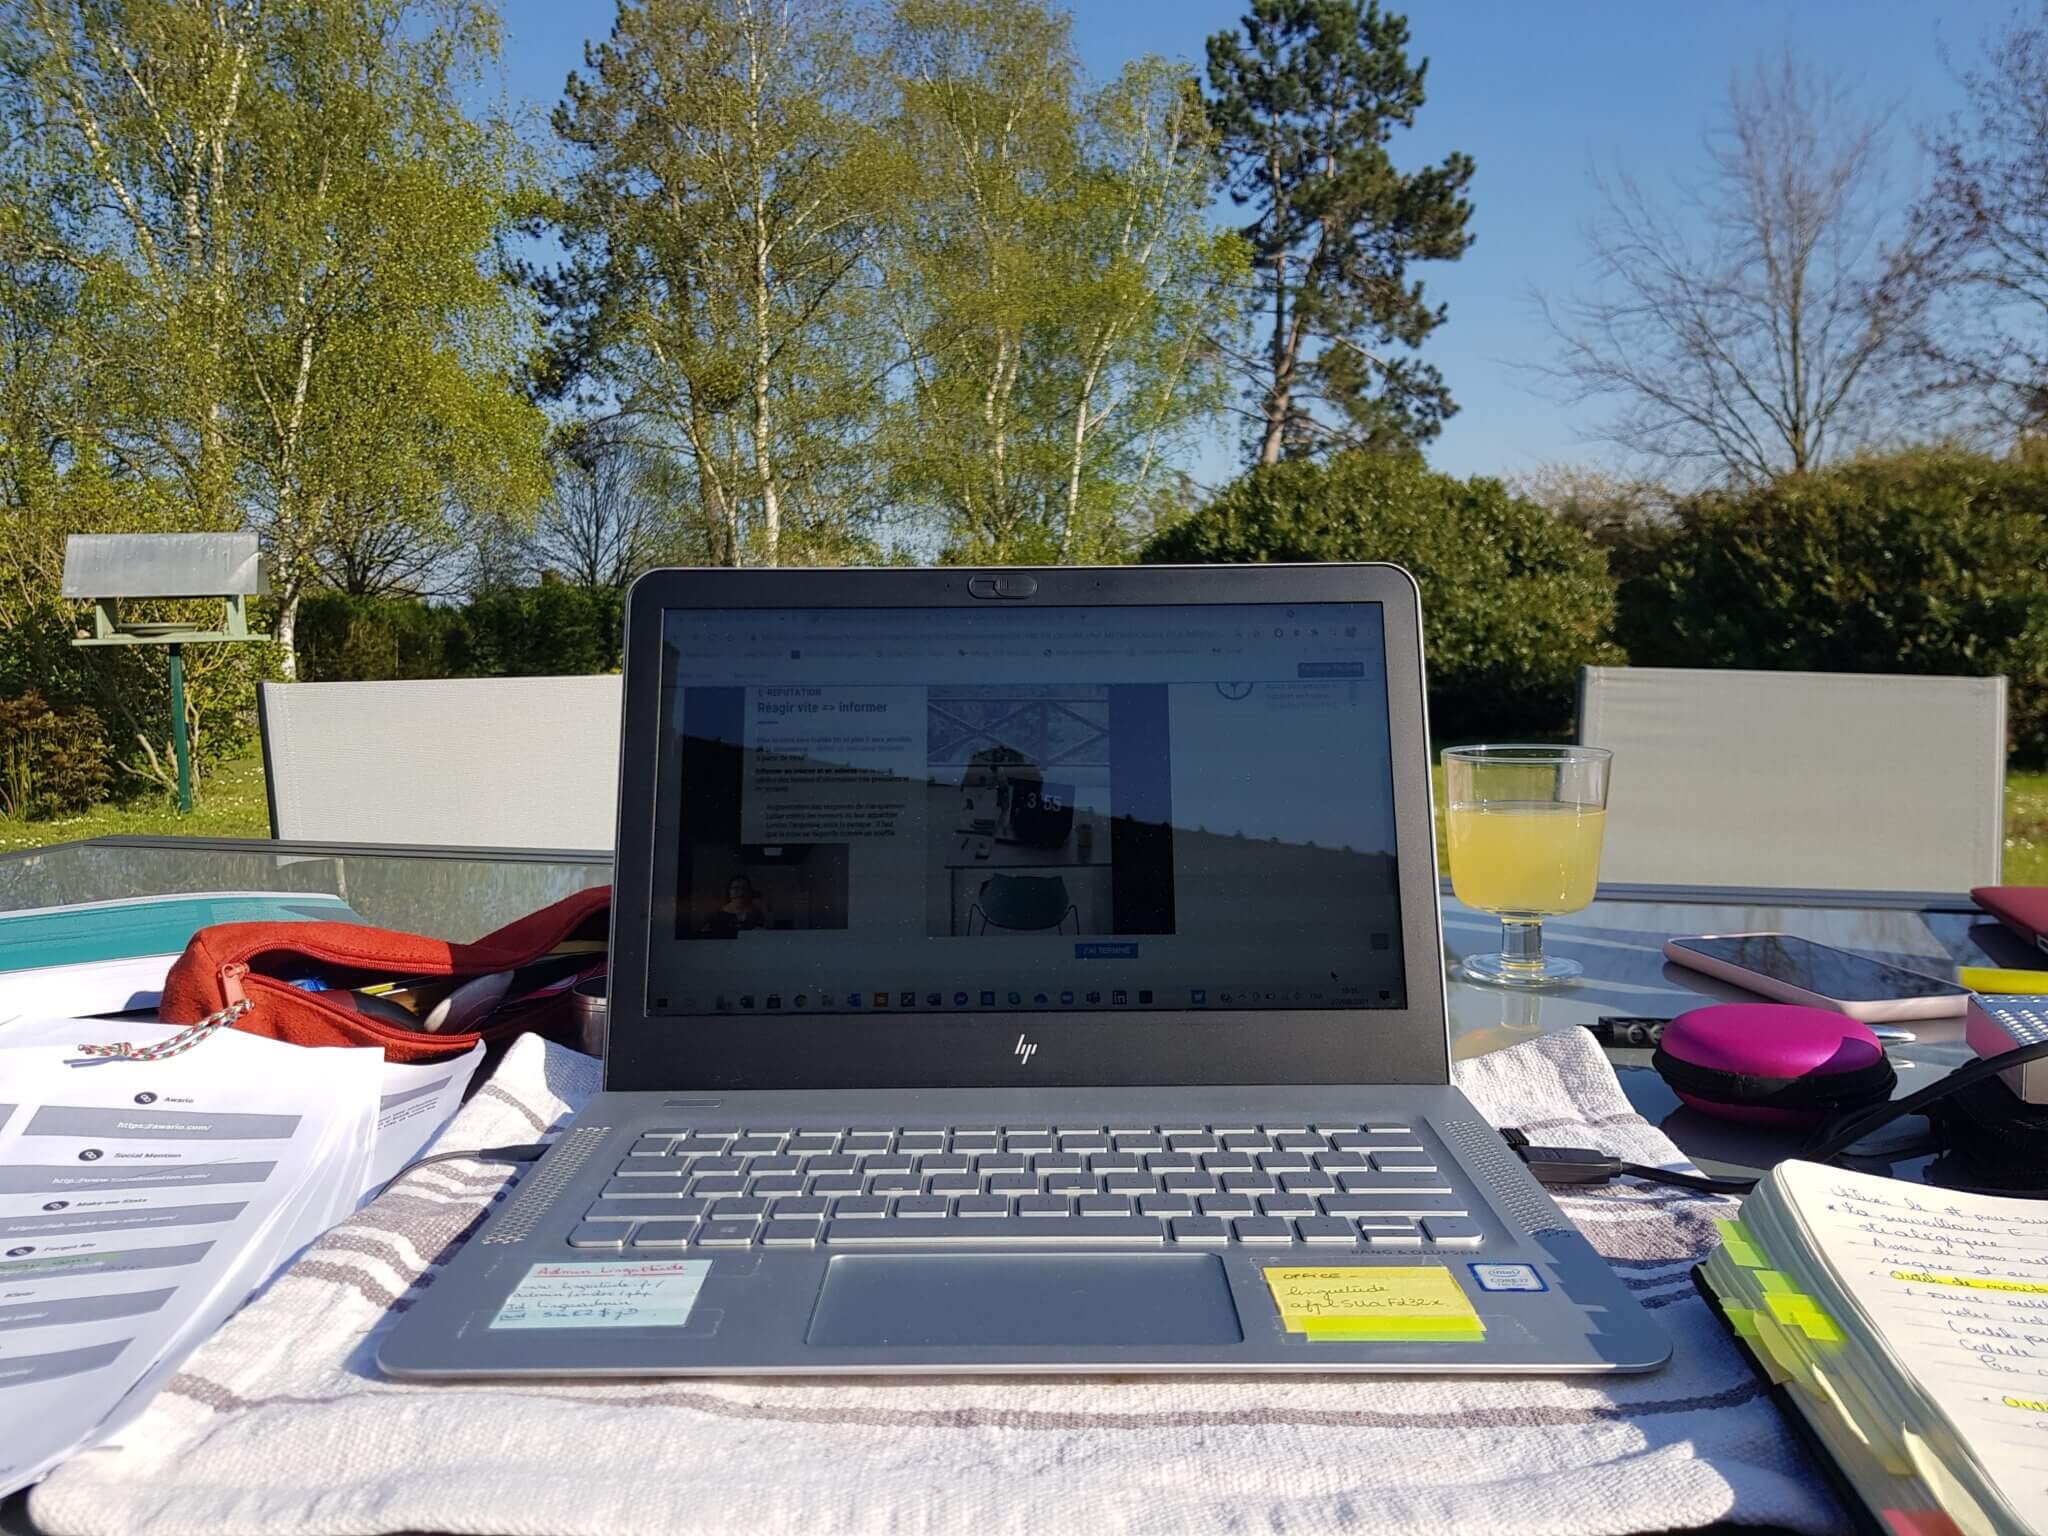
(1075, 1047)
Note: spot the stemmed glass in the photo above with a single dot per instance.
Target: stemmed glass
(1524, 825)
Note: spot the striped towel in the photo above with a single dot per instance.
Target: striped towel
(282, 1424)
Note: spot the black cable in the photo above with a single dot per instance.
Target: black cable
(1700, 1181)
(1844, 1131)
(527, 1152)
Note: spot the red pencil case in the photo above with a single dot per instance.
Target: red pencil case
(268, 966)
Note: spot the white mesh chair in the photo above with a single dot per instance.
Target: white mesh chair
(1799, 780)
(488, 762)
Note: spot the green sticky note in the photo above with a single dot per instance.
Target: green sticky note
(1741, 1246)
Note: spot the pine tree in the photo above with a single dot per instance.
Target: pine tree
(1304, 104)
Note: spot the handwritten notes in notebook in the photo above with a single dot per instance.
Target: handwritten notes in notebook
(1958, 1286)
(605, 1295)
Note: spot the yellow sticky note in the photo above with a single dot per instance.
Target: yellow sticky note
(1741, 1246)
(1375, 1301)
(1742, 1320)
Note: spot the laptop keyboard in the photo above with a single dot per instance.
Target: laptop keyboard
(1376, 1185)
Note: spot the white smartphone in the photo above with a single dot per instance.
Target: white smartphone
(1795, 970)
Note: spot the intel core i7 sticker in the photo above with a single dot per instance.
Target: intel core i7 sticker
(1507, 1277)
(605, 1295)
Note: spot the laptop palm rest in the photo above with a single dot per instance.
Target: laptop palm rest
(953, 1300)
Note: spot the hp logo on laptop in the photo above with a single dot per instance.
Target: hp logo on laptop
(1025, 1050)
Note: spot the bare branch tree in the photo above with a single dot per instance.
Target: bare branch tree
(1974, 285)
(1740, 334)
(600, 526)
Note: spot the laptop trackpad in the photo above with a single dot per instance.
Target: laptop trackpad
(962, 1300)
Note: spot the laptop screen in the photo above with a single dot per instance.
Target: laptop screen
(884, 811)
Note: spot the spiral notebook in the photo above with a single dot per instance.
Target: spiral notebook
(1907, 1326)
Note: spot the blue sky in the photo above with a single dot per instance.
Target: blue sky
(1536, 94)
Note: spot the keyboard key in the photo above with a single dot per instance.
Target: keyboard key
(753, 1143)
(1301, 1141)
(859, 1207)
(641, 1210)
(1199, 1141)
(718, 1184)
(1286, 1205)
(981, 1206)
(1057, 1162)
(1129, 1183)
(1313, 1183)
(1403, 1162)
(954, 1183)
(1141, 1141)
(944, 1162)
(1452, 1232)
(1378, 1236)
(779, 1163)
(1264, 1230)
(922, 1206)
(1326, 1229)
(812, 1142)
(1338, 1162)
(1384, 1183)
(1404, 1205)
(777, 1184)
(865, 1141)
(720, 1164)
(1246, 1141)
(1013, 1183)
(663, 1234)
(921, 1141)
(1166, 1205)
(1040, 1207)
(1188, 1183)
(976, 1141)
(1284, 1162)
(1246, 1183)
(999, 1162)
(727, 1209)
(784, 1233)
(1116, 1231)
(1027, 1141)
(655, 1167)
(599, 1234)
(1383, 1127)
(1072, 1183)
(1226, 1205)
(701, 1142)
(726, 1234)
(1208, 1231)
(651, 1146)
(888, 1162)
(644, 1189)
(1102, 1205)
(835, 1162)
(1084, 1141)
(895, 1184)
(798, 1207)
(1228, 1162)
(1115, 1162)
(1172, 1162)
(837, 1184)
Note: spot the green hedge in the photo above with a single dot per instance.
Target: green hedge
(549, 630)
(1929, 562)
(1514, 601)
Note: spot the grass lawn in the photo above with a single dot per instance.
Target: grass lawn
(231, 804)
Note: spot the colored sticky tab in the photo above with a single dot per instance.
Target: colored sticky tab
(1782, 1353)
(1996, 980)
(1741, 1246)
(1920, 1522)
(1776, 1284)
(1742, 1320)
(1331, 1303)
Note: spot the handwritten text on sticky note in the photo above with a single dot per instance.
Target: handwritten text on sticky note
(1374, 1301)
(605, 1295)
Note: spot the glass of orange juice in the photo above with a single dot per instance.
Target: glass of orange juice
(1523, 824)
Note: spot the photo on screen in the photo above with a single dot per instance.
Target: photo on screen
(741, 888)
(1018, 822)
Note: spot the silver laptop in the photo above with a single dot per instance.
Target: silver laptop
(1025, 971)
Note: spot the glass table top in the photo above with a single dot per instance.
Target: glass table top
(463, 893)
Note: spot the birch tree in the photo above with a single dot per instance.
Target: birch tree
(716, 216)
(284, 218)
